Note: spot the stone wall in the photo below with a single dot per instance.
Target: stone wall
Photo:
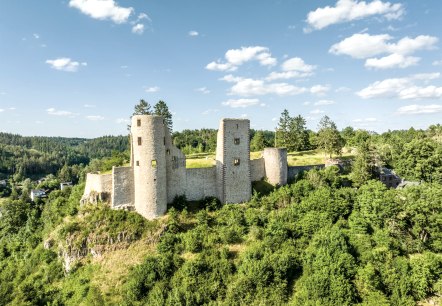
(275, 160)
(257, 169)
(201, 183)
(176, 169)
(294, 170)
(98, 187)
(122, 187)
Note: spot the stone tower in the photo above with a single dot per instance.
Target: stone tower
(275, 163)
(233, 161)
(148, 159)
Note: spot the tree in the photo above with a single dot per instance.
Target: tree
(161, 109)
(142, 108)
(258, 142)
(365, 164)
(282, 129)
(297, 134)
(329, 139)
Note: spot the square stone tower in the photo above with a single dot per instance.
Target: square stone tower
(233, 161)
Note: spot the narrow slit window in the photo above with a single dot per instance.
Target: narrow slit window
(236, 141)
(138, 122)
(164, 140)
(154, 163)
(137, 162)
(237, 126)
(139, 141)
(168, 152)
(236, 162)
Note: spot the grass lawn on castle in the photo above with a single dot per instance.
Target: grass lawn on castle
(304, 158)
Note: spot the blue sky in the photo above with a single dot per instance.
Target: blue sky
(77, 67)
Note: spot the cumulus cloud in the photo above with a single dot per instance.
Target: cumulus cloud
(103, 9)
(237, 57)
(95, 117)
(65, 64)
(152, 89)
(419, 109)
(319, 89)
(366, 46)
(316, 112)
(324, 102)
(292, 68)
(403, 88)
(138, 28)
(193, 33)
(210, 111)
(392, 61)
(437, 63)
(203, 90)
(349, 10)
(243, 103)
(252, 87)
(52, 111)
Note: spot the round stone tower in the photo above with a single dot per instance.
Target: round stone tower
(275, 161)
(149, 164)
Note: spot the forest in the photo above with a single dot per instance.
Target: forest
(330, 237)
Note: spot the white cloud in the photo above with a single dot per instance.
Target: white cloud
(236, 103)
(203, 90)
(138, 28)
(307, 103)
(243, 116)
(237, 57)
(52, 111)
(286, 75)
(1, 110)
(122, 121)
(103, 9)
(437, 63)
(319, 89)
(392, 61)
(36, 36)
(297, 64)
(324, 102)
(152, 89)
(366, 46)
(403, 88)
(89, 105)
(65, 64)
(252, 87)
(193, 33)
(142, 16)
(348, 10)
(419, 109)
(365, 120)
(94, 118)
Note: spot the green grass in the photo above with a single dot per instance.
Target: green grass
(312, 157)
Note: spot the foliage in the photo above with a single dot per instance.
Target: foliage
(161, 109)
(328, 139)
(292, 132)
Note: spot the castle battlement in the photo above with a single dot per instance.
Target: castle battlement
(157, 171)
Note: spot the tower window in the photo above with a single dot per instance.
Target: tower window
(154, 163)
(168, 152)
(137, 163)
(236, 162)
(236, 141)
(237, 126)
(164, 140)
(138, 122)
(139, 141)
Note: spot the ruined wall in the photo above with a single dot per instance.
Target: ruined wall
(175, 169)
(122, 187)
(233, 161)
(149, 160)
(201, 183)
(257, 169)
(98, 188)
(275, 161)
(294, 170)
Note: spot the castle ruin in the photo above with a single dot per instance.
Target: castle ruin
(158, 173)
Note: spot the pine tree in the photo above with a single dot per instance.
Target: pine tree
(258, 142)
(161, 109)
(142, 108)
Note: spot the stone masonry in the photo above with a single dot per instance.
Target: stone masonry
(157, 171)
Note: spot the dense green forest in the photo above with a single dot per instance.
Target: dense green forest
(328, 238)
